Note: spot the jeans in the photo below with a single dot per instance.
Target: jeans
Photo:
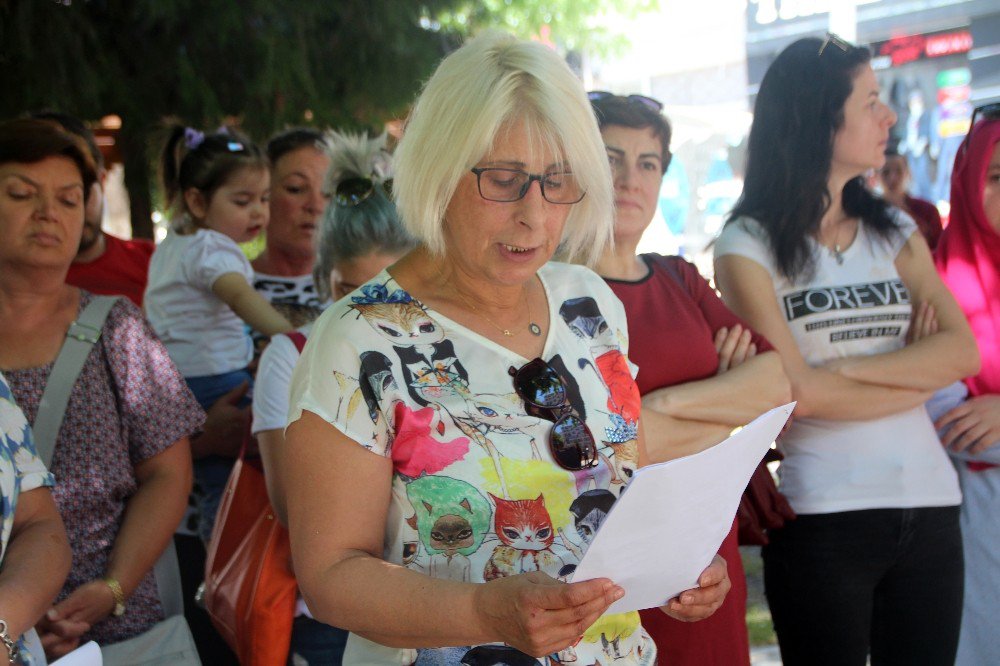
(315, 643)
(211, 473)
(885, 580)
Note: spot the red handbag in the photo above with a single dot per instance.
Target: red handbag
(250, 590)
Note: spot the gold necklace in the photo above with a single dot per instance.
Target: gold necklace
(533, 328)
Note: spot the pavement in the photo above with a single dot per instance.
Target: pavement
(765, 655)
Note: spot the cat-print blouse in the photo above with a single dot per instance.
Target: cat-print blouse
(476, 494)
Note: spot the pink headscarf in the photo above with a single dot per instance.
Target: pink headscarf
(968, 255)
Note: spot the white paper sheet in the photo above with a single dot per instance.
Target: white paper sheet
(668, 525)
(88, 654)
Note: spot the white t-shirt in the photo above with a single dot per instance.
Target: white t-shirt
(475, 492)
(857, 308)
(273, 381)
(202, 334)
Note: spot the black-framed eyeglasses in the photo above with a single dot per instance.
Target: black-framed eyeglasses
(507, 185)
(572, 444)
(837, 41)
(353, 191)
(986, 112)
(648, 102)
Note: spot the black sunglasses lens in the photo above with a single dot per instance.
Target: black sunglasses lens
(648, 102)
(539, 384)
(572, 443)
(352, 191)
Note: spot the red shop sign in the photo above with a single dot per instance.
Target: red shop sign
(917, 47)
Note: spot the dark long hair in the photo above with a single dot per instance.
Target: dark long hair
(799, 109)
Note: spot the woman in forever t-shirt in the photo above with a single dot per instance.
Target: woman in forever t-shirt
(844, 288)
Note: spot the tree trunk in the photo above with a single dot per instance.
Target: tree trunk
(137, 177)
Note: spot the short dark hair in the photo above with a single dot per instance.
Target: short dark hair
(31, 140)
(292, 139)
(798, 112)
(621, 111)
(74, 125)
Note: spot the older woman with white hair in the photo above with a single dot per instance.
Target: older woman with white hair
(461, 424)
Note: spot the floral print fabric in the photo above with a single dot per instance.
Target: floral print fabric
(128, 404)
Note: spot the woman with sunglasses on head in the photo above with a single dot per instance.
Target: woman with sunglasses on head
(844, 288)
(703, 372)
(360, 234)
(968, 259)
(444, 479)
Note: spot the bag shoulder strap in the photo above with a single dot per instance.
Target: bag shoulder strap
(81, 337)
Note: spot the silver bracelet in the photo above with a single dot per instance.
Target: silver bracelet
(12, 651)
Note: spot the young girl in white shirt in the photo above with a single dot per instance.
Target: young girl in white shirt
(199, 298)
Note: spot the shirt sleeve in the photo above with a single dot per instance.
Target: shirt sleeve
(746, 238)
(156, 405)
(616, 317)
(341, 379)
(274, 379)
(715, 312)
(907, 227)
(211, 255)
(14, 428)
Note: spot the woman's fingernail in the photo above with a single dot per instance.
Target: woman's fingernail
(619, 593)
(687, 599)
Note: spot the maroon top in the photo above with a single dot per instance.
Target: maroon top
(671, 332)
(927, 217)
(128, 404)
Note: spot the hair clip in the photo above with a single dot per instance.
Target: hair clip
(831, 38)
(193, 138)
(235, 147)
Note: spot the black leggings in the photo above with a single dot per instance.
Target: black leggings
(885, 580)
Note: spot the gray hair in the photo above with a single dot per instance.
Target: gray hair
(373, 225)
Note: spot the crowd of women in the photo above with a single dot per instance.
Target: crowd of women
(492, 364)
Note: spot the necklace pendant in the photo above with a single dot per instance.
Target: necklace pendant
(838, 255)
(507, 333)
(535, 329)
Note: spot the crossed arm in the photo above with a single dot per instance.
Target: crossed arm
(863, 387)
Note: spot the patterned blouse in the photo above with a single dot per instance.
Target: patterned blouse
(128, 404)
(476, 494)
(20, 471)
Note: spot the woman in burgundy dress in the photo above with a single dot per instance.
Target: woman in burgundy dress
(702, 372)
